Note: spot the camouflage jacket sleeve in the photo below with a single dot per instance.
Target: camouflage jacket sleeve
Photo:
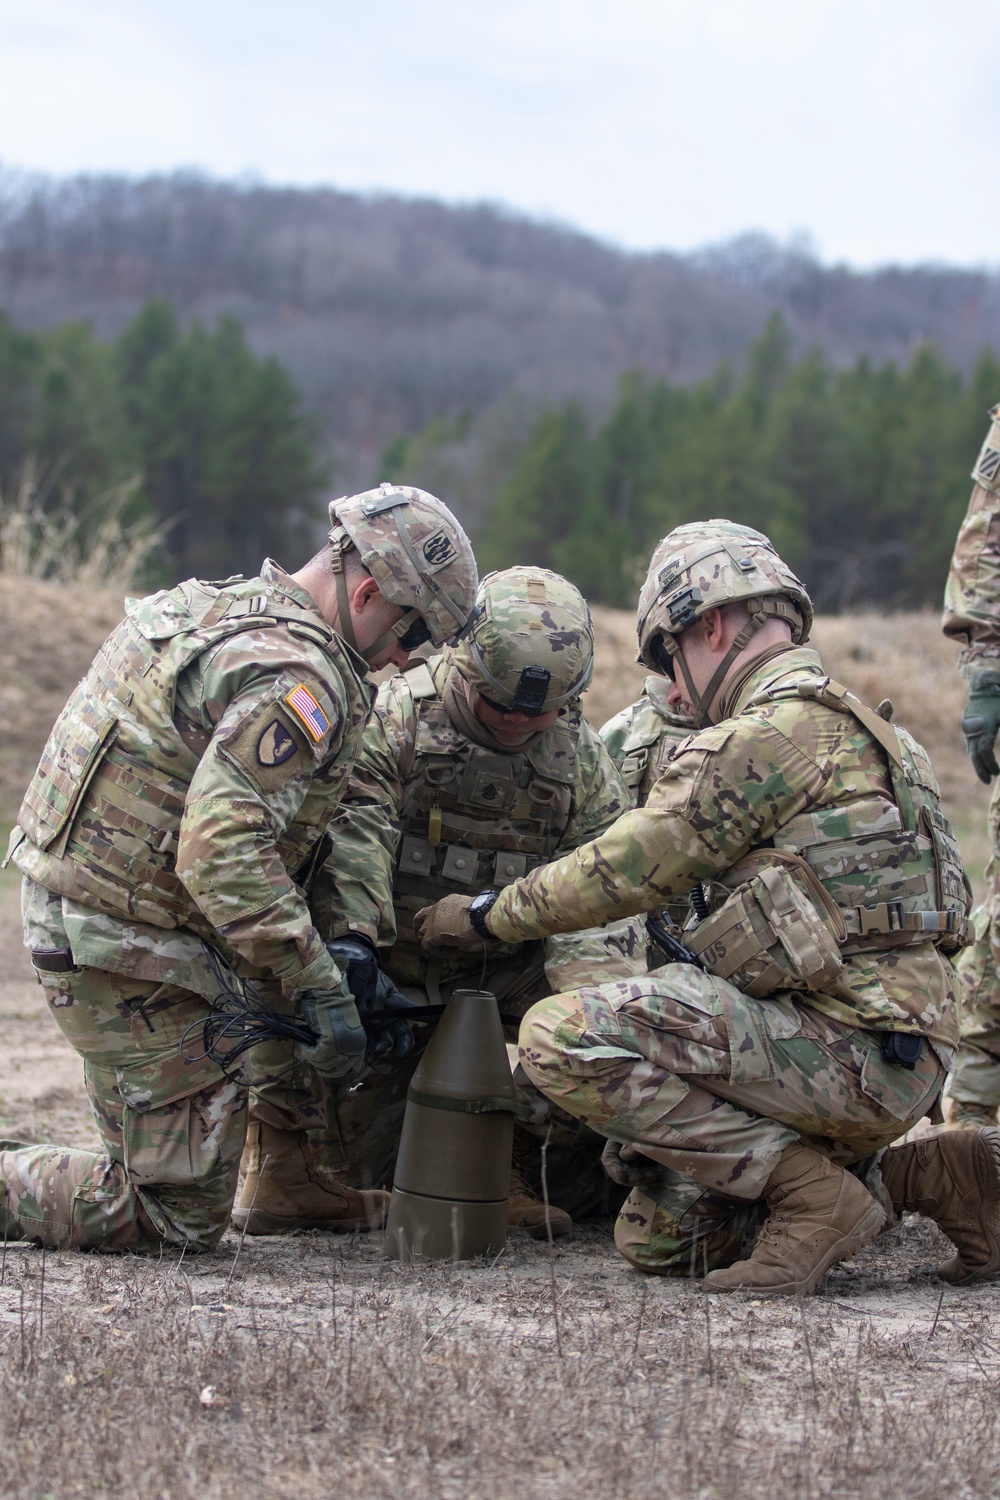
(602, 952)
(726, 792)
(972, 595)
(354, 890)
(260, 771)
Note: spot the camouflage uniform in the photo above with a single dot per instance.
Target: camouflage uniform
(816, 829)
(467, 815)
(972, 617)
(643, 737)
(182, 800)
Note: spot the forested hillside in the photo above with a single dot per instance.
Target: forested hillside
(390, 313)
(860, 474)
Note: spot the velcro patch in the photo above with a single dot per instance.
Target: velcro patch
(305, 708)
(275, 745)
(271, 747)
(438, 549)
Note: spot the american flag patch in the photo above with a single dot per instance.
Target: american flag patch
(304, 706)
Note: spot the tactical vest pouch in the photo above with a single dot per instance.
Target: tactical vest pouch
(79, 738)
(633, 767)
(460, 864)
(776, 929)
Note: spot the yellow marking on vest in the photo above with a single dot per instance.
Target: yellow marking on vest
(434, 827)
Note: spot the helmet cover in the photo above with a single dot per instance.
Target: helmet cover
(529, 645)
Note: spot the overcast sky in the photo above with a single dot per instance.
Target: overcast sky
(869, 125)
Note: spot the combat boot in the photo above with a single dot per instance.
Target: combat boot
(819, 1215)
(954, 1179)
(286, 1189)
(525, 1210)
(962, 1114)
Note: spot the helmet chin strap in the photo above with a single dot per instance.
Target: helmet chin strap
(759, 613)
(345, 622)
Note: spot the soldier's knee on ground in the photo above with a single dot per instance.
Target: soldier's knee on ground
(699, 1232)
(82, 1200)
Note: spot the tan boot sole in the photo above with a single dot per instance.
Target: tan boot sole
(987, 1163)
(264, 1223)
(849, 1244)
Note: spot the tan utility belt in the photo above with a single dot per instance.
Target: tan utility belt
(886, 918)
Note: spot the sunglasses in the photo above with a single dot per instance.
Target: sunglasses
(417, 633)
(661, 658)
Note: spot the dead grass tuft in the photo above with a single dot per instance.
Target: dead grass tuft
(321, 1370)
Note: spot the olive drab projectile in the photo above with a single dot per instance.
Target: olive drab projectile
(449, 1197)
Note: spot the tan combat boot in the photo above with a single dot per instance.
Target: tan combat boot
(820, 1215)
(286, 1189)
(525, 1210)
(962, 1114)
(953, 1178)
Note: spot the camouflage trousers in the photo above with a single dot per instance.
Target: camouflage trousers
(172, 1129)
(975, 1074)
(713, 1086)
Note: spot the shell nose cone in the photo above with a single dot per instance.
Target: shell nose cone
(449, 1198)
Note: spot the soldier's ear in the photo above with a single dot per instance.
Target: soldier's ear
(364, 592)
(713, 623)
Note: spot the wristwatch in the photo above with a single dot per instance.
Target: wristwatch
(477, 910)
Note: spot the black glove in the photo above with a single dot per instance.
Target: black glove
(357, 959)
(388, 1038)
(340, 1046)
(981, 723)
(627, 1166)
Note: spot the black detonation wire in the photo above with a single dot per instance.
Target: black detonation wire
(241, 1018)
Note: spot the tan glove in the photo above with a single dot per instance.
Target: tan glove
(447, 925)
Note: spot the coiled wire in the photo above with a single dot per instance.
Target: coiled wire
(241, 1018)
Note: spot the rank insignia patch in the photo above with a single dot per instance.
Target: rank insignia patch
(305, 708)
(275, 745)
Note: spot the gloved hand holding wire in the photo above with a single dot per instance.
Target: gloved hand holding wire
(357, 959)
(392, 1037)
(340, 1046)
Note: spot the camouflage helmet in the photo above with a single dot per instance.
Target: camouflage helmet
(417, 553)
(706, 565)
(529, 645)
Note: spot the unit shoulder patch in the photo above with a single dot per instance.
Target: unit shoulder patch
(270, 747)
(275, 745)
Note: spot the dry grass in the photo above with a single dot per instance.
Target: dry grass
(311, 1368)
(95, 547)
